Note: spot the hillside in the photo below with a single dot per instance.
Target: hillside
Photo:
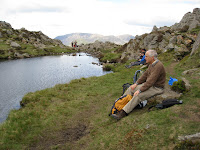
(85, 38)
(179, 38)
(24, 44)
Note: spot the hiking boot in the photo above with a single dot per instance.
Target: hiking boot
(119, 115)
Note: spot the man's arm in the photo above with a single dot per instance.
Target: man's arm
(143, 78)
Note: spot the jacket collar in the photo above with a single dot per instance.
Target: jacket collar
(155, 62)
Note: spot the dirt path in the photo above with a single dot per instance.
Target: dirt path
(170, 69)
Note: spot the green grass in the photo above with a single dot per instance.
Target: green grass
(195, 30)
(75, 115)
(52, 118)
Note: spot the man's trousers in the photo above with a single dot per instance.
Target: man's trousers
(152, 91)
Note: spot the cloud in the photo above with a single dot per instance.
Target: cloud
(107, 17)
(159, 21)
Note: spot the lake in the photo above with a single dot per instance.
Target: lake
(19, 77)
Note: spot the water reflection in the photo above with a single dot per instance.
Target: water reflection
(18, 77)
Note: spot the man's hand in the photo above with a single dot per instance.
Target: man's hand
(133, 86)
(136, 93)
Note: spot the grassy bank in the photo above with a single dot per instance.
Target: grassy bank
(75, 116)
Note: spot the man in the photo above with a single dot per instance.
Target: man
(151, 83)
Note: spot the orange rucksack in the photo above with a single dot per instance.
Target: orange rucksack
(120, 103)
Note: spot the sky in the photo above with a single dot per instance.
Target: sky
(105, 17)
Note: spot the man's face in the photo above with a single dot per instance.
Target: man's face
(148, 58)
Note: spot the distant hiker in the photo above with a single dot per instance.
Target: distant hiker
(151, 83)
(141, 61)
(75, 44)
(72, 44)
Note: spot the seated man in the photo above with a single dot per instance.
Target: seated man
(149, 84)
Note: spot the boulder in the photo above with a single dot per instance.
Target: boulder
(188, 42)
(196, 45)
(148, 39)
(167, 36)
(190, 71)
(26, 55)
(194, 137)
(173, 40)
(15, 45)
(187, 83)
(181, 50)
(18, 55)
(162, 45)
(164, 29)
(167, 94)
(170, 46)
(179, 39)
(154, 29)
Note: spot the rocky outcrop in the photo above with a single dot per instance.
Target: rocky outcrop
(188, 22)
(178, 38)
(15, 41)
(25, 36)
(96, 47)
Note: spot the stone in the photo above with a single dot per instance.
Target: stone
(154, 28)
(18, 55)
(188, 42)
(170, 46)
(167, 36)
(187, 84)
(26, 55)
(193, 137)
(15, 45)
(162, 45)
(164, 29)
(167, 94)
(173, 40)
(196, 45)
(179, 39)
(190, 71)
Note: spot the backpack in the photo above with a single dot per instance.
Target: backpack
(166, 103)
(120, 103)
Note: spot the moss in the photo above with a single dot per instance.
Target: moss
(187, 145)
(195, 30)
(179, 86)
(107, 67)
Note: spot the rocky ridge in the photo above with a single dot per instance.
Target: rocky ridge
(96, 47)
(182, 38)
(86, 38)
(13, 41)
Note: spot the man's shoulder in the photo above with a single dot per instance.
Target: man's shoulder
(159, 64)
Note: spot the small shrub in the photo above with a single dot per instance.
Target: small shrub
(107, 67)
(179, 86)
